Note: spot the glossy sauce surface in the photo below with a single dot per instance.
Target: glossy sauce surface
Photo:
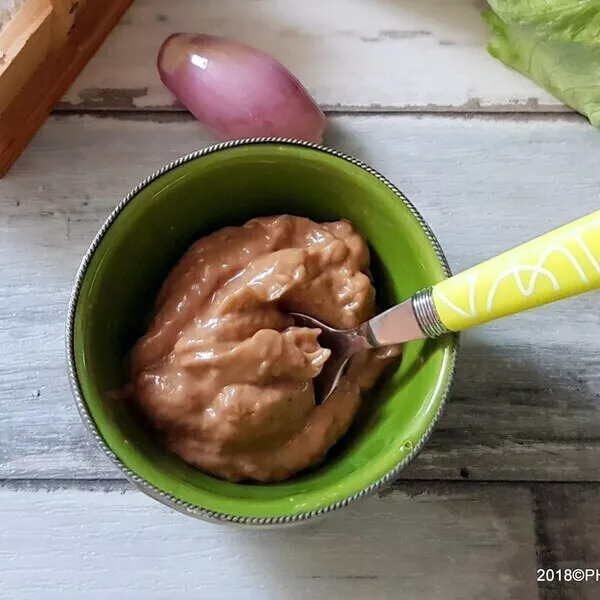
(225, 376)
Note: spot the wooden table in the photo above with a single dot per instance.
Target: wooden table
(508, 484)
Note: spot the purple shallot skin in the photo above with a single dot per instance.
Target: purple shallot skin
(238, 91)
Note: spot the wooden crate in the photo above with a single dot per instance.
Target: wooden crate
(42, 49)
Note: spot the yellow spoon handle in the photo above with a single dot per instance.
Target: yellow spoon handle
(559, 264)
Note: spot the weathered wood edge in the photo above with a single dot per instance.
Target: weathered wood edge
(565, 519)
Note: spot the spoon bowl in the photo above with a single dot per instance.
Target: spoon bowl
(343, 344)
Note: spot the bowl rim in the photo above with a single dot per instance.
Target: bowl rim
(166, 498)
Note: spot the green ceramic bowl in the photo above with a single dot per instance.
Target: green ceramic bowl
(150, 230)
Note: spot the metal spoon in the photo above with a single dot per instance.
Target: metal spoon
(557, 265)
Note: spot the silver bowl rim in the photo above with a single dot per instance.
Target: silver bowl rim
(166, 498)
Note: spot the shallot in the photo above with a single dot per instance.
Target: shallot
(236, 90)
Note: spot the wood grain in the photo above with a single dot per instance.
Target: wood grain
(43, 77)
(567, 528)
(526, 405)
(379, 55)
(461, 543)
(24, 43)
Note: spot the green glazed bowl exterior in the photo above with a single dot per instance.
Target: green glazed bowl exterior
(150, 230)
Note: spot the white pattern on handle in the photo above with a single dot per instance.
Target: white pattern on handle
(584, 246)
(472, 279)
(446, 300)
(537, 270)
(588, 252)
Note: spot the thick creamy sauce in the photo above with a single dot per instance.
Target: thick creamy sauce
(225, 376)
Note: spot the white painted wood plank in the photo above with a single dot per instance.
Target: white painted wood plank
(527, 399)
(351, 54)
(462, 543)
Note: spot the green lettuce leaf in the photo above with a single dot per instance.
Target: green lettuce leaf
(556, 43)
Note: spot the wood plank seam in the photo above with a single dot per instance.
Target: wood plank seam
(166, 116)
